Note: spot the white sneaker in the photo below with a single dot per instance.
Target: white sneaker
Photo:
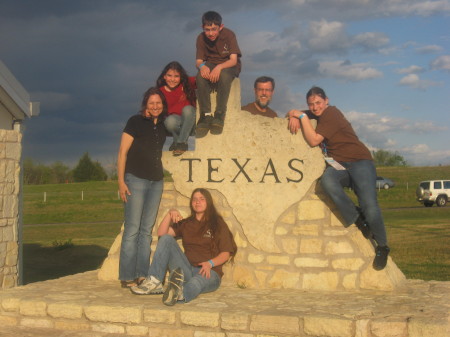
(150, 286)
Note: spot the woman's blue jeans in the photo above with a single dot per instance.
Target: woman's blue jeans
(181, 126)
(169, 255)
(361, 177)
(141, 209)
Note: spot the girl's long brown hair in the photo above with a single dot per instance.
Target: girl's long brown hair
(184, 80)
(211, 216)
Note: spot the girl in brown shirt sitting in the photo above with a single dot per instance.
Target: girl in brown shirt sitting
(207, 243)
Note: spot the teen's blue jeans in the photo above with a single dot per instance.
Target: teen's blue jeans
(361, 177)
(169, 255)
(181, 126)
(223, 86)
(141, 209)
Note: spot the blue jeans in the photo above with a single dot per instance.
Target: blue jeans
(223, 86)
(361, 177)
(141, 209)
(181, 126)
(169, 255)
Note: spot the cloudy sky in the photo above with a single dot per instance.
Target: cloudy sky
(384, 63)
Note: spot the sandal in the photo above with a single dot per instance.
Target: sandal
(128, 284)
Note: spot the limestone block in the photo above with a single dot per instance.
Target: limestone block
(243, 276)
(2, 155)
(421, 328)
(13, 151)
(389, 328)
(65, 310)
(239, 334)
(167, 195)
(328, 326)
(8, 234)
(311, 246)
(137, 330)
(290, 245)
(255, 258)
(33, 308)
(365, 247)
(36, 323)
(349, 281)
(289, 218)
(161, 332)
(310, 210)
(275, 324)
(10, 304)
(8, 320)
(108, 328)
(234, 321)
(280, 231)
(306, 230)
(335, 231)
(311, 262)
(338, 247)
(9, 281)
(71, 325)
(387, 279)
(11, 259)
(9, 188)
(348, 263)
(240, 242)
(10, 206)
(203, 319)
(12, 136)
(321, 281)
(278, 260)
(284, 279)
(200, 333)
(261, 277)
(159, 316)
(362, 328)
(118, 314)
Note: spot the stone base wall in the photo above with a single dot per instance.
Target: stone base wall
(316, 251)
(10, 155)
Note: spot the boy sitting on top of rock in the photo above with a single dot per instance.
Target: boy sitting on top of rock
(218, 63)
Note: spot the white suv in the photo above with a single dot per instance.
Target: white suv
(433, 191)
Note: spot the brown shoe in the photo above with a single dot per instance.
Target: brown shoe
(180, 148)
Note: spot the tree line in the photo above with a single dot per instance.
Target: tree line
(57, 173)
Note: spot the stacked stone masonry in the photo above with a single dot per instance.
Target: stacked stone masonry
(81, 305)
(10, 158)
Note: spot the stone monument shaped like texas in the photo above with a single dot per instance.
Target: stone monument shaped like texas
(264, 181)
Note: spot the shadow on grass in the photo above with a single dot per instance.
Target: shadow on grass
(46, 263)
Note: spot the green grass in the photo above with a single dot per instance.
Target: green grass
(419, 236)
(64, 203)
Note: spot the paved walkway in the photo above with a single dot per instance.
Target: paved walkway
(82, 306)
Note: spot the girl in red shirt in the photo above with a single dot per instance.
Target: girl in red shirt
(179, 90)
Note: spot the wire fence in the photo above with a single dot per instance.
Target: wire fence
(82, 195)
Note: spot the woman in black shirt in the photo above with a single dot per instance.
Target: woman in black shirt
(140, 177)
